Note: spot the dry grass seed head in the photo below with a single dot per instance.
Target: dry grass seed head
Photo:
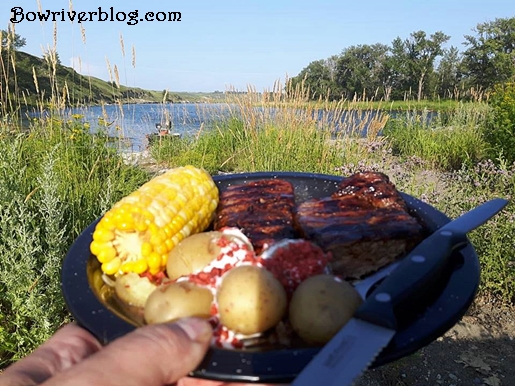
(116, 76)
(109, 70)
(35, 78)
(83, 34)
(122, 46)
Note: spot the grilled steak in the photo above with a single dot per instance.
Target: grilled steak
(365, 224)
(263, 210)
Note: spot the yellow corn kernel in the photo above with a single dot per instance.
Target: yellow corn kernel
(127, 267)
(140, 230)
(140, 266)
(164, 259)
(107, 223)
(95, 247)
(107, 253)
(112, 267)
(154, 260)
(146, 249)
(102, 234)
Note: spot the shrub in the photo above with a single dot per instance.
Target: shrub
(54, 181)
(500, 134)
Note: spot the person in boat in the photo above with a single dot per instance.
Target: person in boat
(163, 130)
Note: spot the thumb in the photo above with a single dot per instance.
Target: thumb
(153, 355)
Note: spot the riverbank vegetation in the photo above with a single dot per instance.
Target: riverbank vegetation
(56, 177)
(417, 67)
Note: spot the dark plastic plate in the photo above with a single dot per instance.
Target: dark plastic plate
(447, 303)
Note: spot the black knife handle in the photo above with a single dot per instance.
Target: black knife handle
(414, 275)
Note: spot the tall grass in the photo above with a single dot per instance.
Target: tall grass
(230, 147)
(446, 141)
(277, 131)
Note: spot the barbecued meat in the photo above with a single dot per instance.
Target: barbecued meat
(263, 210)
(365, 224)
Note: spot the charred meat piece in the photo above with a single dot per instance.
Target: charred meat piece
(365, 224)
(263, 210)
(373, 189)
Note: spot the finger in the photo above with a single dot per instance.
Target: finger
(204, 382)
(69, 345)
(153, 355)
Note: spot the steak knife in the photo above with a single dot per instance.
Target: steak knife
(349, 353)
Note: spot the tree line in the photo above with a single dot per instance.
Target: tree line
(418, 67)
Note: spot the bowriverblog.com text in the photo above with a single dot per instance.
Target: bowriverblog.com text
(18, 14)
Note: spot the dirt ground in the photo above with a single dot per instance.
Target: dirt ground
(479, 350)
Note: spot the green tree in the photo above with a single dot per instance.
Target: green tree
(414, 58)
(11, 40)
(449, 73)
(360, 70)
(318, 76)
(490, 56)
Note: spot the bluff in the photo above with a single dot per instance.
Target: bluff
(27, 80)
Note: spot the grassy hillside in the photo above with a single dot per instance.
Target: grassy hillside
(33, 80)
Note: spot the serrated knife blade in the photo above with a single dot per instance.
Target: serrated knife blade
(352, 350)
(357, 348)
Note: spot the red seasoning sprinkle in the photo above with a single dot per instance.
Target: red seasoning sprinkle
(295, 262)
(156, 279)
(250, 257)
(214, 325)
(236, 343)
(223, 242)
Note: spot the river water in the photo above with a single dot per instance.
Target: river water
(133, 122)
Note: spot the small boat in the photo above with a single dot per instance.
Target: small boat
(163, 133)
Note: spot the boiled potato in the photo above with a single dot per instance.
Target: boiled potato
(195, 252)
(320, 306)
(250, 300)
(177, 300)
(192, 254)
(133, 289)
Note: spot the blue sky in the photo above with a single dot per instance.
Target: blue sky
(232, 44)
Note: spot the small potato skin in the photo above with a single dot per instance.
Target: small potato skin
(320, 306)
(250, 300)
(193, 254)
(133, 290)
(177, 300)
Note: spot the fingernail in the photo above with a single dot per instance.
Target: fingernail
(198, 330)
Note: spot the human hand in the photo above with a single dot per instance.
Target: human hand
(151, 355)
(154, 355)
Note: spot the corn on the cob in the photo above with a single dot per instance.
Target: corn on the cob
(140, 230)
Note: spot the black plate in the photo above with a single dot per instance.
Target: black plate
(448, 301)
